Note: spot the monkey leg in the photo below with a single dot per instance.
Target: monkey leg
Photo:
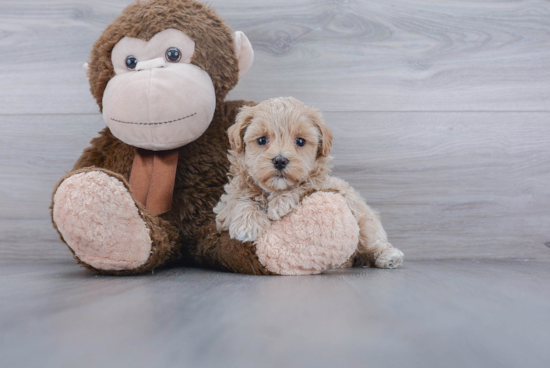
(320, 234)
(105, 229)
(217, 250)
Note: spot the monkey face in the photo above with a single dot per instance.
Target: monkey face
(158, 100)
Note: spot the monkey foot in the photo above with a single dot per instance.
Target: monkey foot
(99, 221)
(320, 234)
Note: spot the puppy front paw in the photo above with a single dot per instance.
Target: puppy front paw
(281, 205)
(249, 227)
(390, 258)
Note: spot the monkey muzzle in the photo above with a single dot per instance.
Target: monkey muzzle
(159, 106)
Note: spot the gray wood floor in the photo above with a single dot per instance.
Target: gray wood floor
(428, 314)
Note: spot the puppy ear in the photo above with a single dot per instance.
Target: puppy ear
(325, 141)
(237, 130)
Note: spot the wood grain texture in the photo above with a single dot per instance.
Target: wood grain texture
(452, 314)
(339, 55)
(35, 152)
(452, 185)
(448, 185)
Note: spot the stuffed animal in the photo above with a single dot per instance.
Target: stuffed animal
(142, 195)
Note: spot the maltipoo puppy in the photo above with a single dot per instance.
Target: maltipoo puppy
(279, 154)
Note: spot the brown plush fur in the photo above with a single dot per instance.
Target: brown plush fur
(187, 233)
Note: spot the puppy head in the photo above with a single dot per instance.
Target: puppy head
(281, 141)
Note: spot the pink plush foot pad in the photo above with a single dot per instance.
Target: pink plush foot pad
(99, 220)
(320, 234)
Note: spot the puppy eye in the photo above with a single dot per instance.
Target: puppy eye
(131, 62)
(300, 142)
(262, 141)
(173, 55)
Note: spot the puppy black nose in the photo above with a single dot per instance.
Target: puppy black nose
(280, 162)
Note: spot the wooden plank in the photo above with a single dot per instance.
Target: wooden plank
(448, 185)
(36, 151)
(338, 55)
(452, 185)
(429, 314)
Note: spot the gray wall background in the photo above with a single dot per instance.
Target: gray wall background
(440, 111)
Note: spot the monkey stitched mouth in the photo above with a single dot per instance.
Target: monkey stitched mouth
(164, 122)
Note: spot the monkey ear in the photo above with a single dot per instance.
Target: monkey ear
(244, 52)
(86, 68)
(236, 131)
(325, 143)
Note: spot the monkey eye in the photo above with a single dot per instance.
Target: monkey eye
(300, 142)
(262, 141)
(173, 55)
(131, 62)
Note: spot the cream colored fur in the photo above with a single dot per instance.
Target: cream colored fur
(259, 194)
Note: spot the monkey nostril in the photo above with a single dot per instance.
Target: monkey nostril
(280, 162)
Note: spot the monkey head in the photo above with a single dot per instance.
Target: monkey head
(161, 68)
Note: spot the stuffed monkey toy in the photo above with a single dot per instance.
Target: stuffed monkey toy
(142, 195)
